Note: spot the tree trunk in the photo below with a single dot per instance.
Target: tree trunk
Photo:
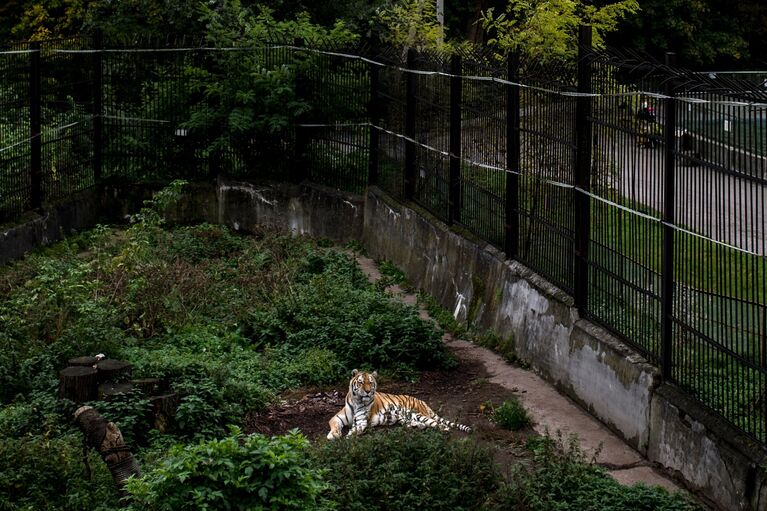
(112, 370)
(106, 438)
(83, 361)
(148, 386)
(109, 390)
(163, 410)
(78, 384)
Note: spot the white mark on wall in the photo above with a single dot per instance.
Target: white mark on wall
(353, 206)
(255, 194)
(459, 305)
(393, 213)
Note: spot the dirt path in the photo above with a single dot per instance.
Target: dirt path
(458, 395)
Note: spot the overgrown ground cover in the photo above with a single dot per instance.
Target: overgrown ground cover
(231, 322)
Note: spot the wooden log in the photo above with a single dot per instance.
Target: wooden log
(106, 438)
(78, 384)
(148, 386)
(109, 390)
(83, 361)
(113, 370)
(163, 410)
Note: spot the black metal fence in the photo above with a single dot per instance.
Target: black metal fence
(633, 185)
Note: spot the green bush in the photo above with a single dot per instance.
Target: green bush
(41, 472)
(511, 415)
(402, 469)
(238, 472)
(563, 479)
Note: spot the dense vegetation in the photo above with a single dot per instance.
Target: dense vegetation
(704, 32)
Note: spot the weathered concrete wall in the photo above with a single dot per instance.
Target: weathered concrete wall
(303, 209)
(709, 456)
(606, 377)
(50, 225)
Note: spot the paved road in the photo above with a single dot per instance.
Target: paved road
(726, 208)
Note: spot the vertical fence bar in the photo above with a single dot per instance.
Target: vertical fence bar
(98, 121)
(410, 111)
(374, 115)
(581, 201)
(456, 88)
(667, 263)
(513, 159)
(35, 142)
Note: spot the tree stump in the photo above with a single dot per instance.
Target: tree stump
(106, 438)
(163, 410)
(78, 384)
(147, 386)
(107, 391)
(112, 370)
(83, 361)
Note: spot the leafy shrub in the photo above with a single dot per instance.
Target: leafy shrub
(361, 326)
(237, 472)
(130, 412)
(41, 472)
(205, 241)
(390, 275)
(511, 415)
(562, 478)
(403, 469)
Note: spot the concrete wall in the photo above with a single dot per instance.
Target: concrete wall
(52, 224)
(605, 376)
(304, 209)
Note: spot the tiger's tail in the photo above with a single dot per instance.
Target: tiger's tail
(452, 425)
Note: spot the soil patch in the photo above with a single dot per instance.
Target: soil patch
(461, 395)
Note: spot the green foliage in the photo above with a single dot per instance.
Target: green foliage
(511, 415)
(43, 472)
(412, 24)
(563, 478)
(391, 275)
(404, 469)
(237, 472)
(130, 412)
(548, 29)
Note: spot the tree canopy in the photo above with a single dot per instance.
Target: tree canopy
(704, 33)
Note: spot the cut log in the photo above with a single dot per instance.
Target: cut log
(107, 391)
(78, 384)
(83, 361)
(148, 386)
(113, 370)
(106, 438)
(163, 410)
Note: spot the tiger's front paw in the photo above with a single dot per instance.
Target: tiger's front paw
(333, 435)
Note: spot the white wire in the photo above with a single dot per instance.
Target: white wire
(8, 148)
(137, 119)
(501, 81)
(18, 52)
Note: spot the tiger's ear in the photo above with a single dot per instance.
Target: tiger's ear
(354, 372)
(375, 374)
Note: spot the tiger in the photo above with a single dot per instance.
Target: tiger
(367, 408)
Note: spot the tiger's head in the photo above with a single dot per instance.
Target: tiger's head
(362, 386)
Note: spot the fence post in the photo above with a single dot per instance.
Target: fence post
(35, 142)
(373, 114)
(300, 163)
(513, 159)
(98, 120)
(667, 263)
(410, 111)
(456, 88)
(581, 201)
